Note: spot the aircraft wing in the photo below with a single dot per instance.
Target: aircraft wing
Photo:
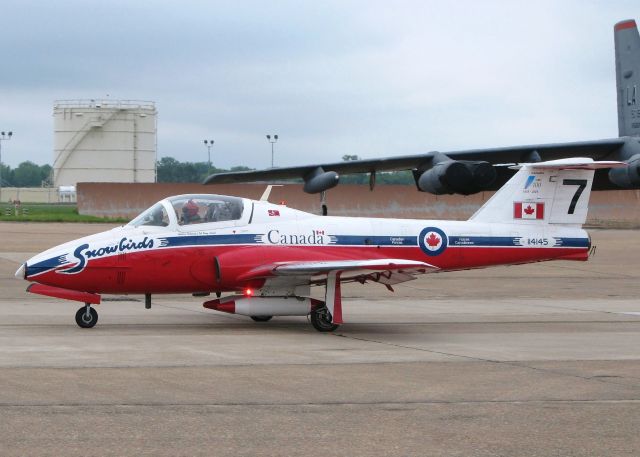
(597, 150)
(385, 271)
(323, 267)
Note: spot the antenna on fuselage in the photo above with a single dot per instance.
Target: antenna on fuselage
(323, 203)
(267, 192)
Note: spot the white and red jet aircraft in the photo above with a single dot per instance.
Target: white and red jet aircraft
(269, 255)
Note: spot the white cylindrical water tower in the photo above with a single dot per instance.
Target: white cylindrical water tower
(104, 141)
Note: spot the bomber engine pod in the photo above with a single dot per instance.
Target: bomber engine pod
(628, 177)
(457, 177)
(319, 180)
(261, 306)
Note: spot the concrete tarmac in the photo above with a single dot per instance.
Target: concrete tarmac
(531, 360)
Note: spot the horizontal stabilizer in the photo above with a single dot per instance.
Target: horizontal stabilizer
(573, 163)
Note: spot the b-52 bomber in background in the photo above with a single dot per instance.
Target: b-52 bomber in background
(471, 171)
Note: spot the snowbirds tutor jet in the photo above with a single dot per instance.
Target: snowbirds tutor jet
(268, 256)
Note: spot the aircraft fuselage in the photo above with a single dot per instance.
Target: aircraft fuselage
(211, 257)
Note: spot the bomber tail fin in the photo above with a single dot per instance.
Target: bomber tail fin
(553, 192)
(627, 43)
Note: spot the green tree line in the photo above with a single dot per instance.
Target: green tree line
(29, 174)
(172, 170)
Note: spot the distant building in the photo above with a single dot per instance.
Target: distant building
(104, 141)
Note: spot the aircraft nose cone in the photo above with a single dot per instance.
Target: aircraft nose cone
(21, 272)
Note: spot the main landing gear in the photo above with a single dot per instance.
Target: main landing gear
(87, 317)
(328, 317)
(322, 321)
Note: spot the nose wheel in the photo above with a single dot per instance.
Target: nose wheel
(87, 317)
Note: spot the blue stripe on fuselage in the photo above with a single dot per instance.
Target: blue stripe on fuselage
(360, 240)
(46, 265)
(572, 242)
(206, 240)
(461, 241)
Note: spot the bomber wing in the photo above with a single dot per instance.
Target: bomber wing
(597, 150)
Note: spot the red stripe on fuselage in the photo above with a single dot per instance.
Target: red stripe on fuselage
(192, 269)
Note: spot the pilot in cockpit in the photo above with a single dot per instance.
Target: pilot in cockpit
(212, 213)
(157, 217)
(190, 212)
(217, 212)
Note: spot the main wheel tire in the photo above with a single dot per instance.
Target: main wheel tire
(321, 320)
(261, 318)
(84, 320)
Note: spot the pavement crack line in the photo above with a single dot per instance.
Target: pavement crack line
(487, 360)
(381, 403)
(569, 308)
(606, 274)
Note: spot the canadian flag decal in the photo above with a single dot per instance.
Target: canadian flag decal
(274, 212)
(528, 210)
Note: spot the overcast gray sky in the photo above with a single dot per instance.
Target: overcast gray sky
(372, 78)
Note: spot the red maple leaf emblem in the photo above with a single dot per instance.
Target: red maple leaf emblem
(528, 210)
(433, 240)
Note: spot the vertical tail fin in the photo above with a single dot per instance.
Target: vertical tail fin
(627, 43)
(554, 192)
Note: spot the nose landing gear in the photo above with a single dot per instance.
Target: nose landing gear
(86, 317)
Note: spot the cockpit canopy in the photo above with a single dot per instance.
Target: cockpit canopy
(191, 209)
(198, 209)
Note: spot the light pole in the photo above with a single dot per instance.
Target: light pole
(208, 144)
(272, 141)
(3, 137)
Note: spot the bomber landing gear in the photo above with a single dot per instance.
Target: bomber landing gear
(261, 318)
(321, 320)
(87, 317)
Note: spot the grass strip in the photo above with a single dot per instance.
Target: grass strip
(48, 212)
